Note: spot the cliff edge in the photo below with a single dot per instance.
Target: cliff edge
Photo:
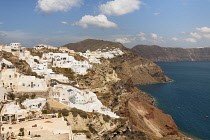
(114, 80)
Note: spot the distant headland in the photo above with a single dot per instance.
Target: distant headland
(167, 54)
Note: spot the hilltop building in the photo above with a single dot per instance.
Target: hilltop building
(43, 46)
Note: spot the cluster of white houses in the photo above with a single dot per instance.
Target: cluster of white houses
(95, 56)
(68, 95)
(63, 60)
(80, 99)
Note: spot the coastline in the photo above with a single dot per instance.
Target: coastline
(155, 103)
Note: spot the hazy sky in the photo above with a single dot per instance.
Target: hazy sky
(170, 23)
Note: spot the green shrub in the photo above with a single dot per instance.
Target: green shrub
(37, 61)
(11, 96)
(87, 133)
(64, 112)
(120, 120)
(76, 112)
(48, 111)
(21, 132)
(37, 135)
(65, 71)
(33, 96)
(23, 98)
(79, 57)
(92, 130)
(106, 118)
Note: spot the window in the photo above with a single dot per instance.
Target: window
(10, 76)
(23, 84)
(10, 84)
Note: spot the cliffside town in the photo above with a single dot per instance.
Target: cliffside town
(83, 90)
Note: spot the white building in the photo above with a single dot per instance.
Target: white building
(15, 45)
(43, 46)
(12, 111)
(34, 104)
(21, 83)
(72, 94)
(5, 64)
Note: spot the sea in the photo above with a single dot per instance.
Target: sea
(187, 98)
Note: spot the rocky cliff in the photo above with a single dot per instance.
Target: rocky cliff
(164, 54)
(114, 82)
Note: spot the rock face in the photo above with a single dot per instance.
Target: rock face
(140, 70)
(97, 127)
(165, 54)
(151, 120)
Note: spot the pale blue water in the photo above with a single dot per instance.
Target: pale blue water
(187, 99)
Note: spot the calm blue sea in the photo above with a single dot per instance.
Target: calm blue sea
(187, 98)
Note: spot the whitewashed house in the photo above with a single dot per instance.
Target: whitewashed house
(31, 84)
(34, 104)
(21, 83)
(12, 111)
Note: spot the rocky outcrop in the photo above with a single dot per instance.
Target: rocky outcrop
(98, 126)
(140, 70)
(166, 54)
